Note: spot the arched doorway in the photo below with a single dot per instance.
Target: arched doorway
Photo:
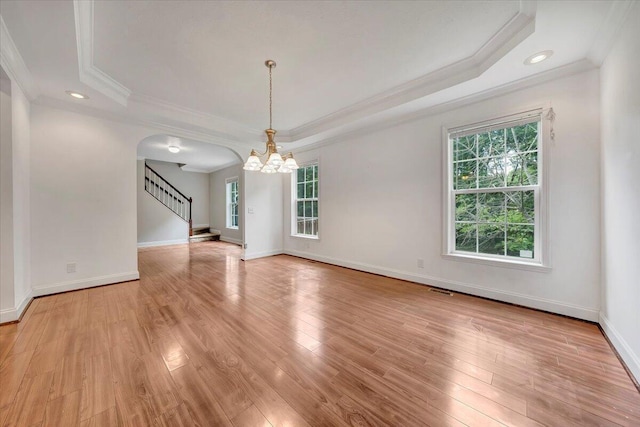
(183, 189)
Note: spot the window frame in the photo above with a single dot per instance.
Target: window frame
(229, 204)
(294, 202)
(541, 260)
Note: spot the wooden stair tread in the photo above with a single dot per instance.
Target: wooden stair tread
(206, 235)
(200, 230)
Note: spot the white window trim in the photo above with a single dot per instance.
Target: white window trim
(228, 203)
(541, 224)
(294, 199)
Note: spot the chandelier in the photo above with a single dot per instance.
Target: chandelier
(275, 162)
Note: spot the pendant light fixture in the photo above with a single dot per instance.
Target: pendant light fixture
(275, 162)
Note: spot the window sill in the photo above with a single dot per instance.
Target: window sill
(304, 236)
(231, 228)
(503, 263)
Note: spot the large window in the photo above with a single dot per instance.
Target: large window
(494, 187)
(232, 202)
(306, 201)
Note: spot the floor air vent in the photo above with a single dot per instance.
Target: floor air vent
(441, 291)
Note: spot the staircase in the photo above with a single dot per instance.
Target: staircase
(168, 195)
(203, 234)
(177, 202)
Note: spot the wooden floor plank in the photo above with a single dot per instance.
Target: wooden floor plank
(204, 338)
(64, 410)
(30, 402)
(251, 417)
(97, 386)
(12, 372)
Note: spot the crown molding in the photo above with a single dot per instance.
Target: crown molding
(506, 38)
(91, 75)
(94, 77)
(359, 129)
(229, 127)
(529, 7)
(364, 129)
(521, 26)
(12, 62)
(609, 30)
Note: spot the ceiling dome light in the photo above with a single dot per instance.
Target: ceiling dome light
(174, 149)
(76, 95)
(538, 57)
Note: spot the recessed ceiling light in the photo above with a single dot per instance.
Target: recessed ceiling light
(538, 57)
(174, 149)
(77, 95)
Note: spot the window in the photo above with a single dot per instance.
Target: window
(306, 201)
(494, 189)
(232, 203)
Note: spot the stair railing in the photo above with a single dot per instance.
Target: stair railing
(168, 195)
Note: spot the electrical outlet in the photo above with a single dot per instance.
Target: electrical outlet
(420, 263)
(71, 267)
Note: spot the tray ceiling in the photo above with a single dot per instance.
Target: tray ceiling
(196, 68)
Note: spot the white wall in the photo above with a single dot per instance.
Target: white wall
(83, 200)
(218, 200)
(157, 225)
(191, 184)
(620, 110)
(15, 288)
(21, 142)
(263, 213)
(7, 301)
(381, 203)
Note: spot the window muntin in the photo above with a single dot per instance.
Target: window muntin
(306, 201)
(495, 191)
(232, 203)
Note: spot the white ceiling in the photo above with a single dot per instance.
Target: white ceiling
(329, 54)
(196, 68)
(195, 155)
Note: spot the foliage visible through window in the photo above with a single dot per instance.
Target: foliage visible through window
(232, 203)
(306, 201)
(495, 190)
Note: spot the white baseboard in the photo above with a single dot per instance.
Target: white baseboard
(91, 282)
(631, 359)
(468, 288)
(231, 240)
(162, 243)
(13, 314)
(261, 255)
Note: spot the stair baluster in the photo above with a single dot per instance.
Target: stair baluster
(168, 195)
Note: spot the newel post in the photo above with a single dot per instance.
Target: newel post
(190, 218)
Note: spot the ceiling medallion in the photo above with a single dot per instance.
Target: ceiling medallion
(275, 162)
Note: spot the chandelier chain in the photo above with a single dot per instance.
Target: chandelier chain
(270, 99)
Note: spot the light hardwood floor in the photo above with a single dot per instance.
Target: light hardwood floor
(206, 339)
